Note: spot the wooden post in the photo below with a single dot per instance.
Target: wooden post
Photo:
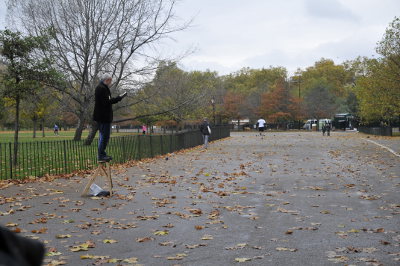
(103, 169)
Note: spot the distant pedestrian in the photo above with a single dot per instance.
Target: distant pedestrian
(261, 124)
(326, 128)
(56, 129)
(205, 131)
(144, 129)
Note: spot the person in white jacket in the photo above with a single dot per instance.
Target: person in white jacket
(261, 124)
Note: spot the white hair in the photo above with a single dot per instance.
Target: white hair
(105, 77)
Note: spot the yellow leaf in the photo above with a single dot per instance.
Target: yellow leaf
(109, 241)
(207, 237)
(177, 257)
(63, 236)
(83, 247)
(353, 231)
(86, 256)
(286, 249)
(11, 225)
(161, 233)
(51, 254)
(113, 260)
(242, 259)
(131, 260)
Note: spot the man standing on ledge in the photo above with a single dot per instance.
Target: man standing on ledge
(103, 114)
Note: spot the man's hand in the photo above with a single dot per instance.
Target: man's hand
(123, 95)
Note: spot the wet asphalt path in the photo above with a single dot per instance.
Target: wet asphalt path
(282, 199)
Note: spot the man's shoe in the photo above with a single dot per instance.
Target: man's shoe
(105, 159)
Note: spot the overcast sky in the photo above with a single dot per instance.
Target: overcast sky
(228, 35)
(231, 34)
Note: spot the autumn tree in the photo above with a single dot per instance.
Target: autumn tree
(24, 71)
(250, 84)
(320, 102)
(335, 75)
(276, 104)
(42, 108)
(234, 106)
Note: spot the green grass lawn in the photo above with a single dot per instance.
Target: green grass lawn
(27, 136)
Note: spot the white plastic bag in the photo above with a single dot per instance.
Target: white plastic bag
(95, 189)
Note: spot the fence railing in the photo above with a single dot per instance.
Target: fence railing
(36, 159)
(379, 131)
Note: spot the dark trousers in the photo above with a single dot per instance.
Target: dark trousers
(105, 131)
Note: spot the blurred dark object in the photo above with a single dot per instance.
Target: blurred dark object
(16, 250)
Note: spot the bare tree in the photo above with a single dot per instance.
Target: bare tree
(98, 36)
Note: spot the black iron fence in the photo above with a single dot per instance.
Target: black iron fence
(379, 131)
(36, 159)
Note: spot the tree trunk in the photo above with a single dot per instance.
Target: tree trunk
(16, 130)
(79, 130)
(92, 133)
(34, 127)
(43, 133)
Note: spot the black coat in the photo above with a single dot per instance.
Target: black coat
(204, 128)
(103, 102)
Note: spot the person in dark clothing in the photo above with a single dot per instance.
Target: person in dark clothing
(16, 250)
(206, 131)
(328, 128)
(103, 115)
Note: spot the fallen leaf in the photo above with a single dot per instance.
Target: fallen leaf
(286, 249)
(11, 224)
(242, 259)
(169, 243)
(144, 239)
(109, 241)
(207, 237)
(177, 257)
(161, 233)
(132, 260)
(63, 236)
(56, 262)
(51, 254)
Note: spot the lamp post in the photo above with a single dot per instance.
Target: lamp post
(298, 81)
(213, 106)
